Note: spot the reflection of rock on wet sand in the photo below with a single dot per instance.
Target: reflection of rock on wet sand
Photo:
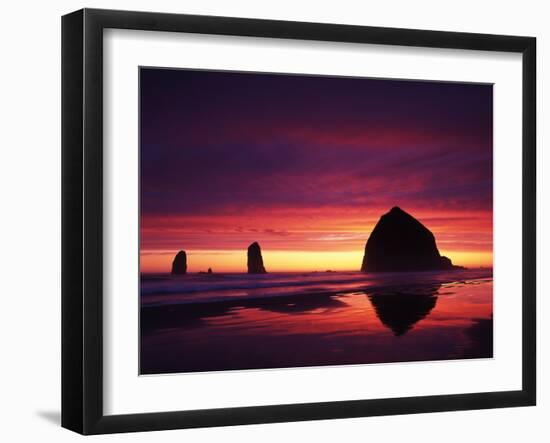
(401, 309)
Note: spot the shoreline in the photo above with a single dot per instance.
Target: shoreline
(300, 291)
(380, 325)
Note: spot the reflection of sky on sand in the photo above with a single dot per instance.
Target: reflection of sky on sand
(431, 322)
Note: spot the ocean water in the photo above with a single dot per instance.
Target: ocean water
(202, 322)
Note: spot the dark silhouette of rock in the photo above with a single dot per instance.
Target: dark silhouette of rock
(179, 265)
(447, 263)
(400, 310)
(209, 270)
(255, 262)
(399, 242)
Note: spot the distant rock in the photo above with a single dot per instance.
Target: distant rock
(255, 262)
(209, 270)
(399, 242)
(179, 265)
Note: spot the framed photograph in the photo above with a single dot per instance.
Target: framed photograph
(268, 221)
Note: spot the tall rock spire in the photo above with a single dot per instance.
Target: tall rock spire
(179, 265)
(255, 262)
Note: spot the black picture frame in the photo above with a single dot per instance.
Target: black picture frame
(82, 218)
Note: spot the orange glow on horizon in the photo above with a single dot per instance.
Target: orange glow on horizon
(312, 239)
(287, 261)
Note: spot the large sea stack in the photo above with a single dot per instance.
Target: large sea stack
(399, 242)
(255, 262)
(179, 265)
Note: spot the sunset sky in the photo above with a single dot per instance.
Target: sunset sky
(306, 165)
